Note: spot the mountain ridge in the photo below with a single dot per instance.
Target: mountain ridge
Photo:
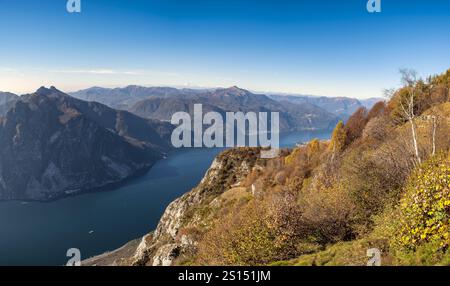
(160, 102)
(292, 117)
(99, 93)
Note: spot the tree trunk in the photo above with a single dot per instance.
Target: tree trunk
(434, 136)
(416, 149)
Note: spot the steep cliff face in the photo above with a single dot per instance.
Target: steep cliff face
(171, 239)
(53, 145)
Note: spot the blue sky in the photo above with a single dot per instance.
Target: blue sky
(333, 48)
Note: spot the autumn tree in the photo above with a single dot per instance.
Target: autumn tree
(313, 149)
(327, 213)
(376, 110)
(405, 104)
(355, 125)
(338, 140)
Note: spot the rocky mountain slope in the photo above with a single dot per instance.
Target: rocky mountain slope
(7, 99)
(53, 145)
(170, 242)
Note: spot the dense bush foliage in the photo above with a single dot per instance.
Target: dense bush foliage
(254, 234)
(425, 207)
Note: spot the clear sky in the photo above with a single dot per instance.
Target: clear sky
(333, 48)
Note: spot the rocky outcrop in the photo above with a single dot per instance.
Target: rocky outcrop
(53, 145)
(168, 242)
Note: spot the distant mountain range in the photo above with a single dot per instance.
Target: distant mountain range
(296, 112)
(160, 102)
(124, 98)
(293, 117)
(52, 145)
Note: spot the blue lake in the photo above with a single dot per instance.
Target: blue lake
(33, 233)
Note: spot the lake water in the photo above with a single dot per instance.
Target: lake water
(33, 233)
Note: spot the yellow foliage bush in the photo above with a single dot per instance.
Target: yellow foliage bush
(425, 207)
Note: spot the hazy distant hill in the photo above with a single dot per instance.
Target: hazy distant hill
(161, 102)
(123, 98)
(292, 116)
(53, 145)
(370, 102)
(340, 106)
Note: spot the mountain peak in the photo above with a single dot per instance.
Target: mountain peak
(42, 90)
(52, 91)
(234, 90)
(133, 86)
